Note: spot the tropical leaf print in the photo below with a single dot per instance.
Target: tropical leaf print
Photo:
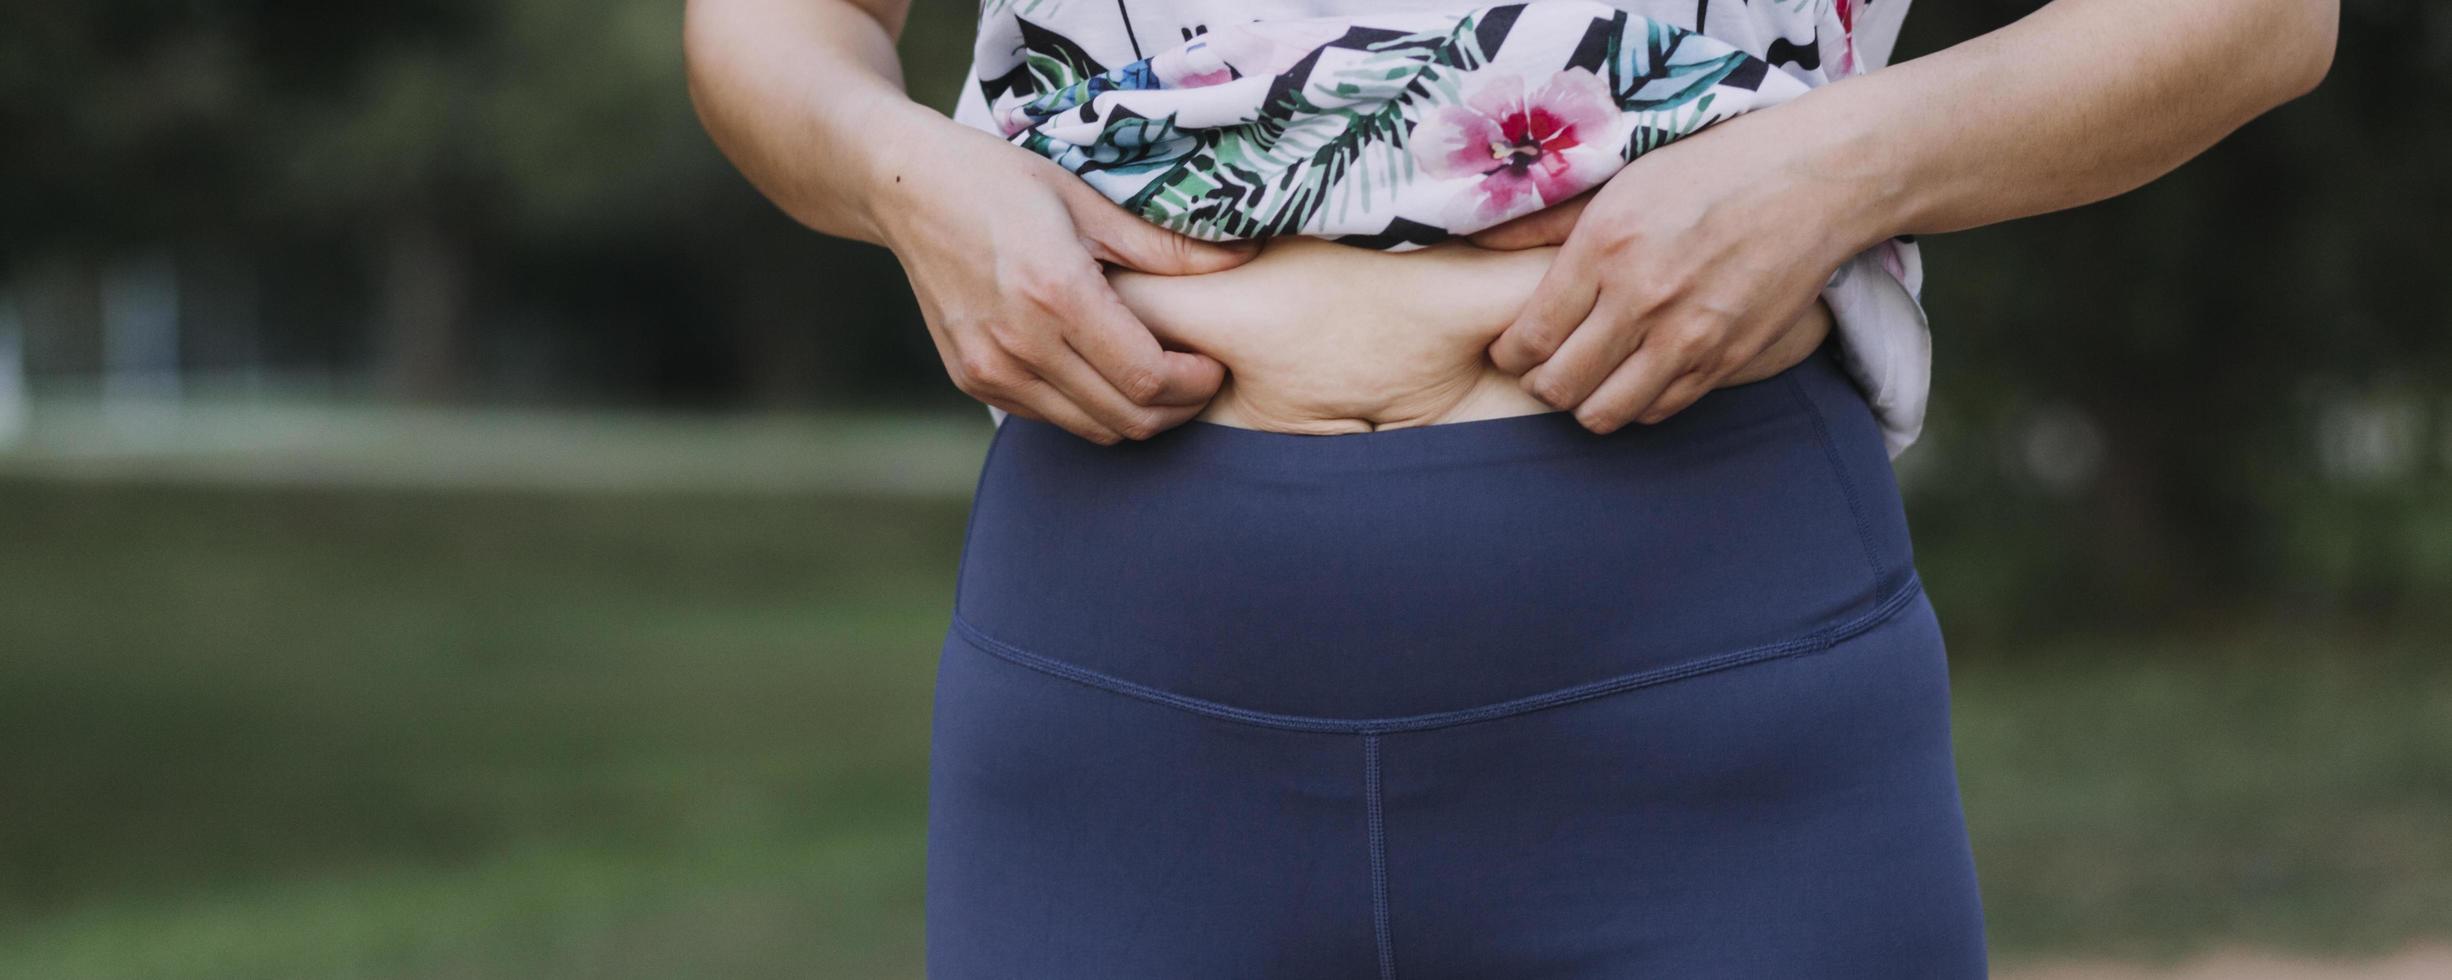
(1479, 36)
(1273, 176)
(1377, 127)
(1129, 144)
(1053, 60)
(1671, 67)
(989, 10)
(1668, 127)
(1331, 139)
(1135, 77)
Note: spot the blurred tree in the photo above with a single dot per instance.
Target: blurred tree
(523, 188)
(2193, 324)
(513, 200)
(164, 124)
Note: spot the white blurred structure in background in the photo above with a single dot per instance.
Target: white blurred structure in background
(12, 373)
(140, 341)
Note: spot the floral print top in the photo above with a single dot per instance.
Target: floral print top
(1394, 124)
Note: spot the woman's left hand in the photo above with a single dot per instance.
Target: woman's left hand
(1680, 269)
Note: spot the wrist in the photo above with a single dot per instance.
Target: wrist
(1850, 165)
(893, 168)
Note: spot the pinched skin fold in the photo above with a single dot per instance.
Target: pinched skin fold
(1322, 339)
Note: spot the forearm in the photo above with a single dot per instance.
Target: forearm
(806, 98)
(2077, 102)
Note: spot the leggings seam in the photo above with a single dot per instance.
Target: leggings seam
(1375, 822)
(1839, 471)
(1813, 642)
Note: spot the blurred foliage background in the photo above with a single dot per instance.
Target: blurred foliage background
(451, 526)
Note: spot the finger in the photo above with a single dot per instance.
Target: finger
(1735, 362)
(1011, 407)
(1119, 237)
(1124, 352)
(1014, 408)
(1595, 348)
(1079, 422)
(1562, 300)
(1679, 396)
(1548, 226)
(1071, 375)
(1060, 299)
(1138, 421)
(1635, 384)
(1062, 366)
(1039, 400)
(994, 375)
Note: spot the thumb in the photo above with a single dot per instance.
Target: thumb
(1119, 237)
(1548, 226)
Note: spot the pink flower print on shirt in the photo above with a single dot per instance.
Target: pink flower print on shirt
(1203, 77)
(1892, 261)
(1530, 150)
(1847, 35)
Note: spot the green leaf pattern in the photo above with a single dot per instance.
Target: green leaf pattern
(1321, 144)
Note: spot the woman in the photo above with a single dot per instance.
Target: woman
(1320, 616)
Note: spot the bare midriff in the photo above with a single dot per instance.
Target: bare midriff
(1324, 339)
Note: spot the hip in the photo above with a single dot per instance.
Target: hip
(1410, 572)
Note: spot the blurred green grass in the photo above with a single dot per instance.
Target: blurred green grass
(254, 731)
(369, 734)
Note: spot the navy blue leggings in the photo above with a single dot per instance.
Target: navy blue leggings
(1497, 699)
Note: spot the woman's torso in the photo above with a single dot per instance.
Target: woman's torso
(1327, 339)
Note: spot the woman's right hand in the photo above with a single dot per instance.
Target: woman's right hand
(1002, 246)
(1004, 250)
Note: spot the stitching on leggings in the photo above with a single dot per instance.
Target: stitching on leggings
(1839, 469)
(1373, 815)
(1813, 642)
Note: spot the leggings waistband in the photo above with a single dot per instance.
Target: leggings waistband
(1424, 576)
